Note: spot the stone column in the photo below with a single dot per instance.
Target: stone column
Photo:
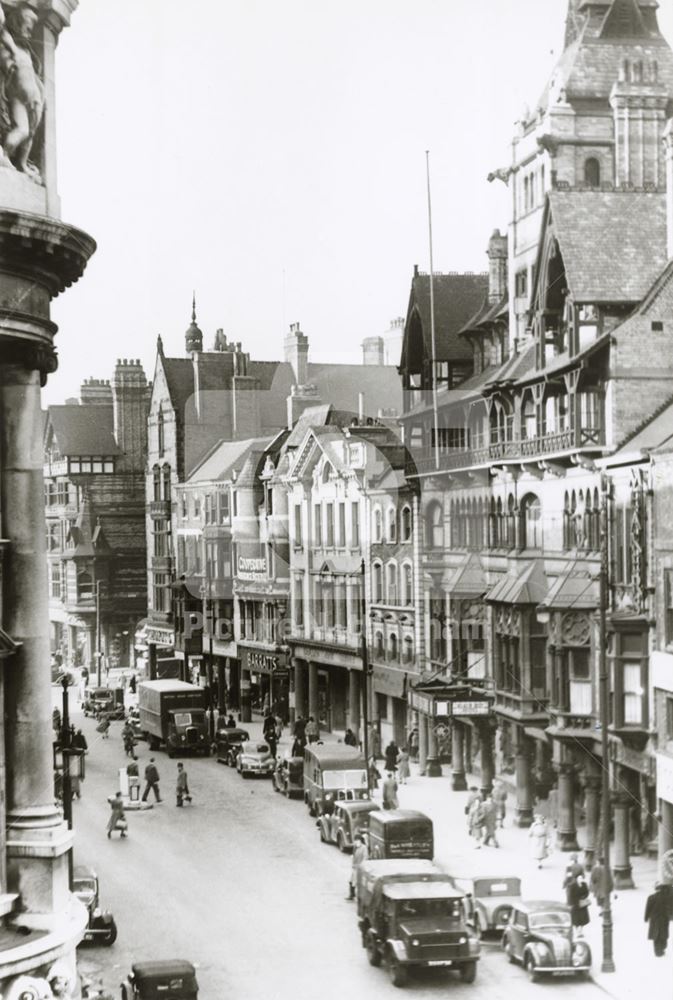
(354, 701)
(665, 833)
(486, 757)
(592, 810)
(524, 783)
(245, 702)
(621, 863)
(433, 768)
(458, 780)
(313, 690)
(299, 688)
(422, 741)
(566, 831)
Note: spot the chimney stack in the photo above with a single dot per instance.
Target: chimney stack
(373, 351)
(497, 267)
(95, 392)
(130, 407)
(296, 353)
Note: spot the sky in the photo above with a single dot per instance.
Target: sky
(270, 155)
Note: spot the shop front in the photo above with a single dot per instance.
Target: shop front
(266, 672)
(457, 716)
(389, 685)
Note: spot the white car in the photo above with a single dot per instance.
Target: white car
(255, 758)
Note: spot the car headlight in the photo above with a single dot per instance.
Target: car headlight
(462, 940)
(580, 954)
(415, 942)
(97, 912)
(329, 795)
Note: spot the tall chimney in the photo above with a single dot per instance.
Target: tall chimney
(95, 392)
(130, 408)
(373, 351)
(296, 353)
(497, 266)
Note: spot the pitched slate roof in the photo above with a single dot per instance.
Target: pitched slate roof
(223, 459)
(522, 585)
(457, 297)
(179, 374)
(83, 430)
(613, 243)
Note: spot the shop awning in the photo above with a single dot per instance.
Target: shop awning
(389, 680)
(524, 585)
(469, 580)
(577, 588)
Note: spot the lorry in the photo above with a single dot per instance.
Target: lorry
(174, 713)
(333, 773)
(400, 833)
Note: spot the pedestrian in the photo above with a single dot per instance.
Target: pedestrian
(403, 765)
(350, 739)
(151, 781)
(79, 741)
(500, 799)
(360, 854)
(128, 738)
(573, 869)
(600, 889)
(182, 786)
(389, 791)
(279, 727)
(473, 794)
(231, 722)
(133, 684)
(540, 836)
(391, 753)
(117, 820)
(299, 728)
(489, 821)
(475, 820)
(269, 726)
(374, 774)
(271, 742)
(103, 727)
(312, 730)
(413, 744)
(578, 900)
(658, 915)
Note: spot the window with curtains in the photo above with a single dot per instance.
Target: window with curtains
(434, 525)
(628, 656)
(633, 694)
(531, 514)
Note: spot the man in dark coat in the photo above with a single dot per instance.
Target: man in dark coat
(658, 914)
(350, 739)
(392, 751)
(151, 781)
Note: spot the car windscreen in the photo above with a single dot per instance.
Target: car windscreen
(409, 830)
(183, 718)
(555, 918)
(344, 779)
(497, 887)
(429, 908)
(254, 748)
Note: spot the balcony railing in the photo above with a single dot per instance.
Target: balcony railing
(159, 508)
(544, 444)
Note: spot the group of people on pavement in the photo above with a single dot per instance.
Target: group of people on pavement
(485, 813)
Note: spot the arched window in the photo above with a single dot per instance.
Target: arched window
(407, 649)
(407, 585)
(511, 522)
(393, 651)
(392, 524)
(160, 433)
(567, 522)
(378, 645)
(531, 515)
(85, 589)
(326, 472)
(406, 524)
(156, 476)
(529, 418)
(592, 172)
(377, 582)
(391, 583)
(166, 482)
(434, 525)
(378, 525)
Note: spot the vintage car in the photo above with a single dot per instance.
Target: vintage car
(133, 718)
(288, 776)
(409, 923)
(174, 980)
(333, 773)
(539, 935)
(104, 701)
(228, 743)
(346, 819)
(101, 928)
(255, 758)
(489, 900)
(400, 833)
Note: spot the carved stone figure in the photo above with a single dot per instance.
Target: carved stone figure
(21, 89)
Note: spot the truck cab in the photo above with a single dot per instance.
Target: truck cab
(187, 731)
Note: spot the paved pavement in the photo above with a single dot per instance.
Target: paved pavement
(239, 884)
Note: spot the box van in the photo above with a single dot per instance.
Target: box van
(333, 773)
(400, 833)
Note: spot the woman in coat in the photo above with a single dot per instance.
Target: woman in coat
(117, 816)
(540, 837)
(391, 756)
(403, 765)
(578, 899)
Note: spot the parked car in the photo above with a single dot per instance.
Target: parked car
(489, 901)
(408, 924)
(539, 935)
(255, 758)
(288, 776)
(133, 717)
(104, 701)
(400, 833)
(101, 928)
(334, 772)
(348, 818)
(174, 980)
(228, 742)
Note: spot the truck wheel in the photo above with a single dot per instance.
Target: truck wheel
(111, 936)
(399, 974)
(373, 953)
(531, 968)
(468, 972)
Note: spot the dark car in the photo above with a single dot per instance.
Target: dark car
(101, 928)
(104, 701)
(539, 935)
(288, 776)
(255, 759)
(489, 900)
(400, 833)
(175, 980)
(228, 742)
(348, 818)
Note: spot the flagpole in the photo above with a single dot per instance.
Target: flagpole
(433, 338)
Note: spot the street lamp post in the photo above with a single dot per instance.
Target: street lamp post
(608, 964)
(66, 748)
(364, 655)
(98, 653)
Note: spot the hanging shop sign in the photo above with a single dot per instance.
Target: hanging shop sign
(159, 636)
(252, 568)
(467, 708)
(259, 661)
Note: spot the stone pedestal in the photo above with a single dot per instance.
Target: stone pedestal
(566, 830)
(621, 863)
(524, 786)
(354, 701)
(592, 810)
(422, 742)
(458, 780)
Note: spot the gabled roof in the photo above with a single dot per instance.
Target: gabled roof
(224, 459)
(469, 580)
(88, 536)
(457, 297)
(179, 374)
(82, 430)
(613, 243)
(576, 588)
(525, 584)
(489, 312)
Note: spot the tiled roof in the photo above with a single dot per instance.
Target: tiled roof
(613, 243)
(576, 588)
(457, 297)
(83, 430)
(223, 459)
(179, 374)
(522, 585)
(488, 313)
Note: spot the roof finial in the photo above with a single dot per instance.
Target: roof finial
(193, 307)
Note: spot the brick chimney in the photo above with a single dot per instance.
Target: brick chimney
(130, 401)
(497, 266)
(299, 400)
(296, 353)
(373, 351)
(95, 392)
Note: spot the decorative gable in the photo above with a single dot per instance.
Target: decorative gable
(624, 20)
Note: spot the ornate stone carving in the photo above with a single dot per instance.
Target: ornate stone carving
(21, 89)
(575, 629)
